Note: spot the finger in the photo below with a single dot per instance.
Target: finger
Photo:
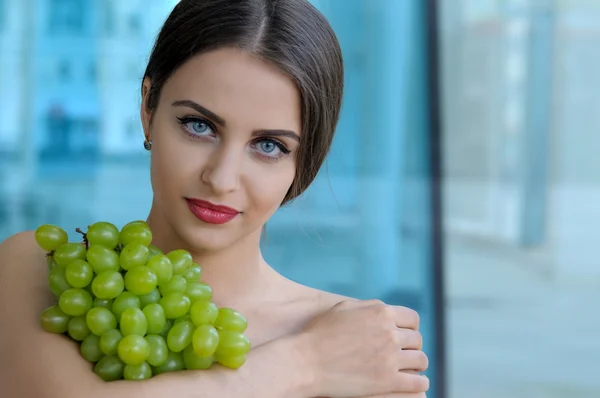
(410, 383)
(355, 303)
(412, 360)
(410, 339)
(406, 318)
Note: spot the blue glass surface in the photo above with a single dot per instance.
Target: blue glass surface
(72, 150)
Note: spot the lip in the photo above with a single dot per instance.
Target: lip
(211, 213)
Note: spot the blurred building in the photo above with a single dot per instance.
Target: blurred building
(128, 31)
(12, 62)
(521, 162)
(66, 104)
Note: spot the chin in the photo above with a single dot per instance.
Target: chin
(209, 238)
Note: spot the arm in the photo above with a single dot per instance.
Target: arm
(38, 364)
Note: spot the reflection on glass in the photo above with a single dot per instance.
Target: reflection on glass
(521, 196)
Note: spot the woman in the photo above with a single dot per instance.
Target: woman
(240, 100)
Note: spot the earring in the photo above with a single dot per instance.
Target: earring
(147, 145)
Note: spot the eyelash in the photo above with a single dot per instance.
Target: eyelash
(183, 121)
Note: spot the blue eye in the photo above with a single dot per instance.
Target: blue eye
(199, 127)
(268, 146)
(196, 126)
(270, 149)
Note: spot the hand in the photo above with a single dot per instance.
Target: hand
(365, 349)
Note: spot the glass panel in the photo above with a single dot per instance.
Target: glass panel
(66, 16)
(71, 147)
(364, 228)
(521, 196)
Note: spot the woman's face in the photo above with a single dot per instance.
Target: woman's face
(225, 133)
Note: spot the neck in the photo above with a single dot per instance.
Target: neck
(235, 273)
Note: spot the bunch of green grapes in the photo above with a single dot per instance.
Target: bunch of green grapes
(136, 311)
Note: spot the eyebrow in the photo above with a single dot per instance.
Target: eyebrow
(219, 120)
(200, 109)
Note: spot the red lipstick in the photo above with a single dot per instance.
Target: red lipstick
(211, 213)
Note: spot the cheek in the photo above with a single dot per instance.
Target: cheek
(269, 188)
(172, 165)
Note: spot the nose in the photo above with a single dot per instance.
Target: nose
(222, 170)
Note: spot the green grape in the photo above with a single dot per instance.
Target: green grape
(100, 320)
(78, 329)
(150, 298)
(153, 251)
(101, 303)
(50, 237)
(180, 336)
(101, 258)
(181, 260)
(198, 291)
(54, 320)
(90, 348)
(140, 280)
(133, 349)
(104, 234)
(142, 371)
(109, 341)
(232, 344)
(108, 285)
(175, 305)
(204, 313)
(194, 362)
(133, 255)
(135, 222)
(230, 319)
(165, 331)
(69, 252)
(174, 363)
(155, 315)
(193, 274)
(161, 265)
(231, 362)
(184, 318)
(110, 368)
(75, 302)
(79, 273)
(205, 340)
(133, 321)
(136, 232)
(57, 280)
(158, 350)
(176, 284)
(123, 301)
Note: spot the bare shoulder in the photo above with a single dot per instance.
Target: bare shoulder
(22, 245)
(25, 237)
(321, 300)
(23, 269)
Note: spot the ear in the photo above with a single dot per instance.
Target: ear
(145, 113)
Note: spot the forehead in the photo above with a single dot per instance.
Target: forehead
(245, 91)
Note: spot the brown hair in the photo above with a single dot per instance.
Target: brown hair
(291, 34)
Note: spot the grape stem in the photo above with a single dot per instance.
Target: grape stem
(49, 260)
(87, 246)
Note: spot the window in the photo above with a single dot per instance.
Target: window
(108, 17)
(2, 14)
(66, 16)
(64, 71)
(135, 24)
(93, 72)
